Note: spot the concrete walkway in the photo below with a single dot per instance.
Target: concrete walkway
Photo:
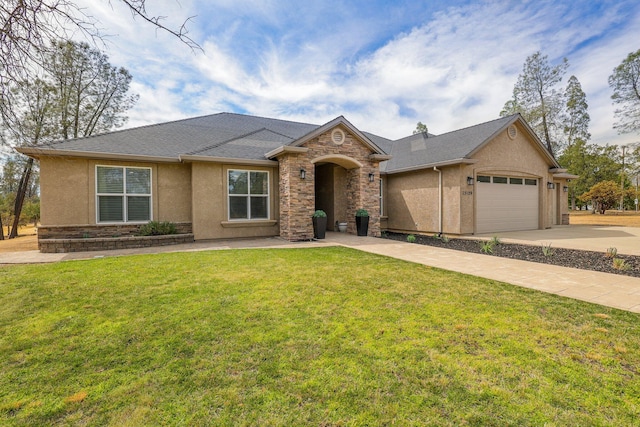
(611, 290)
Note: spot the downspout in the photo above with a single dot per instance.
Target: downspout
(439, 199)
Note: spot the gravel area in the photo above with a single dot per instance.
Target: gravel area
(586, 260)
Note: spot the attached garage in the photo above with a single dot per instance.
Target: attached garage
(506, 203)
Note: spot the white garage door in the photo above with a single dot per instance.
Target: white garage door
(506, 203)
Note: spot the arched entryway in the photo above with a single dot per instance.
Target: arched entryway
(333, 183)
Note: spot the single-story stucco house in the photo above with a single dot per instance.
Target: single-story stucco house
(229, 175)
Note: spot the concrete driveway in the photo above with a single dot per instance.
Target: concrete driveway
(585, 237)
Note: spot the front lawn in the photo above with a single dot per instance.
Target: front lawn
(323, 337)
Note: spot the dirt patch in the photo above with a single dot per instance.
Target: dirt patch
(622, 219)
(27, 240)
(585, 260)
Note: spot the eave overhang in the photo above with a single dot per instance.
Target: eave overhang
(463, 161)
(190, 158)
(564, 175)
(37, 152)
(380, 157)
(285, 149)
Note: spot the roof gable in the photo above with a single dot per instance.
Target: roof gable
(419, 151)
(340, 121)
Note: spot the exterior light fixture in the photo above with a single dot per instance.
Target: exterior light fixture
(551, 185)
(371, 177)
(303, 173)
(565, 189)
(469, 180)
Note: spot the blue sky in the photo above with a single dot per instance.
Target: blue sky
(384, 65)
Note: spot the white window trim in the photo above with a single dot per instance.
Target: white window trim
(124, 195)
(248, 196)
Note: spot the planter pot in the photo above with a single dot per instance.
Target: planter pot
(319, 227)
(362, 224)
(342, 227)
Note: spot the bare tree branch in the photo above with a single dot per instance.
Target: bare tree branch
(27, 28)
(138, 8)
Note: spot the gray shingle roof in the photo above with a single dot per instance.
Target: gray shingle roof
(237, 136)
(417, 150)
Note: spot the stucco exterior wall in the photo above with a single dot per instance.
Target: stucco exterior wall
(68, 190)
(64, 192)
(173, 196)
(210, 204)
(412, 201)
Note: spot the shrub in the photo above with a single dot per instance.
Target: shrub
(487, 246)
(611, 253)
(362, 212)
(411, 238)
(157, 228)
(319, 214)
(620, 264)
(495, 240)
(546, 250)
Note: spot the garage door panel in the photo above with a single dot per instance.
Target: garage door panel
(506, 207)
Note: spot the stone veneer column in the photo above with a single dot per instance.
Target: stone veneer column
(364, 194)
(297, 197)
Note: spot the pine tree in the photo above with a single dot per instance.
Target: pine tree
(537, 99)
(576, 116)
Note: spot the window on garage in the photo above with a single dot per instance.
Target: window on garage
(499, 179)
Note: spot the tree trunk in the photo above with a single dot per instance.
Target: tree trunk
(22, 191)
(1, 230)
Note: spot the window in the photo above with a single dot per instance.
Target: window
(248, 194)
(123, 194)
(517, 181)
(530, 181)
(499, 179)
(381, 199)
(482, 178)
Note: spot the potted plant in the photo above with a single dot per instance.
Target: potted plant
(362, 222)
(319, 219)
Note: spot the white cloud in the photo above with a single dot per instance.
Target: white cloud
(312, 62)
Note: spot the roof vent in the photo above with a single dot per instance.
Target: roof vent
(337, 136)
(512, 131)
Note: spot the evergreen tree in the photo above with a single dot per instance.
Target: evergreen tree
(576, 117)
(537, 99)
(421, 128)
(625, 82)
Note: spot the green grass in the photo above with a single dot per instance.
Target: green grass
(321, 337)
